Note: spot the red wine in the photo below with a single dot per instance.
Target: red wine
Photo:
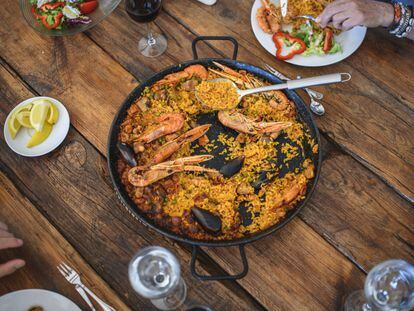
(143, 11)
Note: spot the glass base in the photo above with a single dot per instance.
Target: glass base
(357, 302)
(152, 47)
(174, 299)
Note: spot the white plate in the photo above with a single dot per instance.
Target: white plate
(350, 41)
(23, 300)
(59, 132)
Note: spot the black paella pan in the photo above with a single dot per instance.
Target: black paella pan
(113, 155)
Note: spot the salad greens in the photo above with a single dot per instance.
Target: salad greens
(57, 14)
(314, 38)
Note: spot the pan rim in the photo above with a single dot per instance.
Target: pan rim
(124, 198)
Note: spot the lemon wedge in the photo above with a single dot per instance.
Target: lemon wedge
(39, 137)
(38, 114)
(24, 118)
(13, 125)
(53, 114)
(27, 107)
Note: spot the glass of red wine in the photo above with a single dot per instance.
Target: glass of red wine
(145, 11)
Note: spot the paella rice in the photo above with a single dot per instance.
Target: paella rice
(261, 188)
(217, 94)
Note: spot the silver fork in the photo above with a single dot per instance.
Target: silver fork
(73, 277)
(315, 106)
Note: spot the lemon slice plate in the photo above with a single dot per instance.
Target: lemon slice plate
(56, 137)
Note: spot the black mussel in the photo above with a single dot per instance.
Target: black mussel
(262, 180)
(245, 215)
(232, 167)
(209, 221)
(127, 153)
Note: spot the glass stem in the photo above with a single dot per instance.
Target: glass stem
(150, 37)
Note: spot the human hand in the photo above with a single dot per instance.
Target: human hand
(7, 240)
(346, 14)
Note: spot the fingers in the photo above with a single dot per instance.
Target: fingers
(11, 266)
(338, 19)
(350, 23)
(5, 234)
(3, 226)
(10, 242)
(330, 11)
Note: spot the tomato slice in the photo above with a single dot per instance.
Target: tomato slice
(88, 7)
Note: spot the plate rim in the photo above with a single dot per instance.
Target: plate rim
(41, 290)
(292, 61)
(65, 118)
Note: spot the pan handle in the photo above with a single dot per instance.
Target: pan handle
(219, 277)
(215, 38)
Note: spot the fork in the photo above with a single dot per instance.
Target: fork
(73, 278)
(309, 17)
(315, 106)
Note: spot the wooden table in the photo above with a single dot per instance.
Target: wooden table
(64, 207)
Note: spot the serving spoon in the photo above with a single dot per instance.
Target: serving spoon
(289, 85)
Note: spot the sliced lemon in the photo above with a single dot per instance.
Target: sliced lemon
(27, 107)
(53, 114)
(38, 114)
(39, 137)
(13, 125)
(24, 118)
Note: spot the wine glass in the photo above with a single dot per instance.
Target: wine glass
(146, 11)
(154, 273)
(389, 286)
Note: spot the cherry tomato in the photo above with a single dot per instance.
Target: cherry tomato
(88, 7)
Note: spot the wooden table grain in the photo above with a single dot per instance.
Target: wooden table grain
(63, 205)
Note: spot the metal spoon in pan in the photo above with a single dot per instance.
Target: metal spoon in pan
(290, 85)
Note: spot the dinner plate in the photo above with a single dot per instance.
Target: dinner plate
(350, 41)
(23, 300)
(59, 132)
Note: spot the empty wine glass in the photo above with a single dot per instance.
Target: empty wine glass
(389, 286)
(154, 273)
(146, 11)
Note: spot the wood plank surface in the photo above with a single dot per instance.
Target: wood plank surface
(364, 116)
(357, 213)
(72, 188)
(314, 242)
(354, 220)
(44, 248)
(349, 204)
(72, 69)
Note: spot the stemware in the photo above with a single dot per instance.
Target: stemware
(389, 286)
(154, 273)
(146, 11)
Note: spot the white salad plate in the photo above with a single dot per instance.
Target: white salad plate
(350, 41)
(23, 300)
(56, 137)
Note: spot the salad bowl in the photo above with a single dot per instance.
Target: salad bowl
(104, 8)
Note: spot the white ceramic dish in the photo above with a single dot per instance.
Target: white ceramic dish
(59, 132)
(350, 41)
(23, 300)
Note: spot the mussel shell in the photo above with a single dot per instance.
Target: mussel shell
(127, 153)
(232, 167)
(209, 221)
(245, 215)
(261, 180)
